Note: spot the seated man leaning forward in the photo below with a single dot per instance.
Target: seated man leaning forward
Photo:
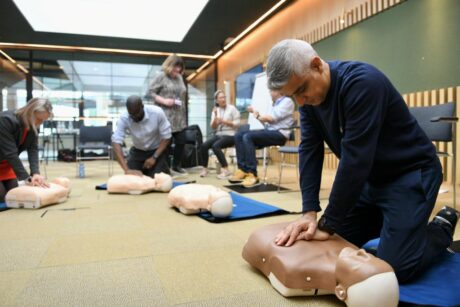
(277, 132)
(150, 132)
(132, 184)
(388, 177)
(319, 267)
(194, 198)
(34, 197)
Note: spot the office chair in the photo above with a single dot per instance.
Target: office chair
(439, 124)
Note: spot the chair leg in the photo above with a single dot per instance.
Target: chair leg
(280, 171)
(264, 162)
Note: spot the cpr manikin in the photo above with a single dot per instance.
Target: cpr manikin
(193, 198)
(322, 267)
(32, 197)
(132, 184)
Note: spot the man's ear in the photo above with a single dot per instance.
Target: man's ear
(341, 292)
(316, 63)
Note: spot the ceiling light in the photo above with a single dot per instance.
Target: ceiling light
(139, 19)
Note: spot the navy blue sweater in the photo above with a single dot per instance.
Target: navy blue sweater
(367, 125)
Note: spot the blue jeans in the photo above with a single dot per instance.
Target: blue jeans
(246, 143)
(398, 213)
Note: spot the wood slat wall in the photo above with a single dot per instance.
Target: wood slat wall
(348, 18)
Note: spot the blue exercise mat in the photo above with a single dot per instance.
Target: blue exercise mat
(104, 185)
(3, 207)
(438, 286)
(244, 208)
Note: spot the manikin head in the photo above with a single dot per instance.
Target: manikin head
(163, 182)
(365, 280)
(220, 204)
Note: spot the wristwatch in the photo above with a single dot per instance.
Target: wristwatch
(323, 225)
(155, 156)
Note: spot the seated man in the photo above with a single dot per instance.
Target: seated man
(34, 197)
(193, 198)
(319, 267)
(132, 184)
(281, 117)
(150, 132)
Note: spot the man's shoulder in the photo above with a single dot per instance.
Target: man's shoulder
(153, 109)
(353, 68)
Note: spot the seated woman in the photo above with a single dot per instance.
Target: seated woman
(193, 198)
(319, 267)
(133, 184)
(19, 133)
(225, 119)
(34, 197)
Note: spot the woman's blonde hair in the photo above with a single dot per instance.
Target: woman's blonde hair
(172, 61)
(27, 112)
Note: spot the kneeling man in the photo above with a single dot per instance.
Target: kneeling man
(150, 132)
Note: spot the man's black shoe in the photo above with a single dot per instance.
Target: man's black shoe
(447, 217)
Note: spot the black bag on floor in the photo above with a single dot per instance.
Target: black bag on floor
(67, 155)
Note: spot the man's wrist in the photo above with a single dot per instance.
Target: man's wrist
(323, 225)
(155, 156)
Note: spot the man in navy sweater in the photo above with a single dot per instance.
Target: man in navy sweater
(389, 175)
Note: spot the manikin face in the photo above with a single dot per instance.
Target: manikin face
(311, 88)
(220, 99)
(40, 117)
(354, 266)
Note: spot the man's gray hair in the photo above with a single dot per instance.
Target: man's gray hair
(288, 57)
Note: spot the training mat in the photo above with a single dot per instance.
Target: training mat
(244, 208)
(437, 286)
(3, 207)
(258, 188)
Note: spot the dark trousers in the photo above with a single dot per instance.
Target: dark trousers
(137, 158)
(246, 143)
(398, 213)
(5, 186)
(216, 143)
(178, 139)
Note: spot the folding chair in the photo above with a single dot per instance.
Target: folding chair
(95, 138)
(439, 124)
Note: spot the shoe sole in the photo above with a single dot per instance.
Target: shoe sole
(252, 186)
(235, 181)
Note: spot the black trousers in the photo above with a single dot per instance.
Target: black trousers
(216, 143)
(398, 213)
(5, 186)
(137, 158)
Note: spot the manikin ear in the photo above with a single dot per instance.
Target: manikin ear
(341, 292)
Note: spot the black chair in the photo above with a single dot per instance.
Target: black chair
(193, 139)
(95, 138)
(439, 124)
(285, 151)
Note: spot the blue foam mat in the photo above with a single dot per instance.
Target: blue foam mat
(244, 208)
(437, 286)
(3, 207)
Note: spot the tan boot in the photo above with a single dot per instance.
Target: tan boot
(250, 181)
(238, 176)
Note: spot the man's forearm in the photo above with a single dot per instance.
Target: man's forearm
(162, 147)
(119, 156)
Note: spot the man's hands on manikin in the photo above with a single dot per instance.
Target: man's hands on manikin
(305, 228)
